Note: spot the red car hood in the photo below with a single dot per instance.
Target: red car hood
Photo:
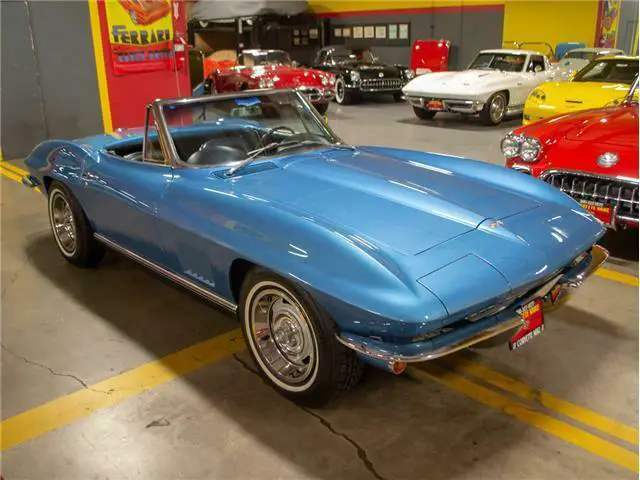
(286, 76)
(575, 141)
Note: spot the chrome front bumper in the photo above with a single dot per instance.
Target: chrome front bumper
(473, 332)
(449, 104)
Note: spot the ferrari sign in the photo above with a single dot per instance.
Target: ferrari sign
(140, 35)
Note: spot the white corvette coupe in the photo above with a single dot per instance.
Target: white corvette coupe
(495, 85)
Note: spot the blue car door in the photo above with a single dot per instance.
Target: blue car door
(121, 199)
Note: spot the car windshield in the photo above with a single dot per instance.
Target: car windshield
(609, 71)
(580, 55)
(265, 57)
(506, 62)
(353, 55)
(225, 130)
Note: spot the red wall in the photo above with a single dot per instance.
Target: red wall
(129, 94)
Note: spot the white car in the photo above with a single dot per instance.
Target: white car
(578, 58)
(495, 85)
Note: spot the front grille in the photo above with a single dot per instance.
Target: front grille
(380, 84)
(622, 194)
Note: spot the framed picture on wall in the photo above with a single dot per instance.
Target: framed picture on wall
(305, 41)
(337, 32)
(296, 33)
(403, 31)
(296, 40)
(313, 33)
(381, 31)
(346, 32)
(357, 32)
(393, 32)
(369, 31)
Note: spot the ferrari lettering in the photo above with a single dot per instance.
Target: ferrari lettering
(121, 35)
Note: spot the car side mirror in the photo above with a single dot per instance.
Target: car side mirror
(295, 63)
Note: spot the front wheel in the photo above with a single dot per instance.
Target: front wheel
(71, 229)
(494, 110)
(423, 113)
(397, 97)
(343, 97)
(292, 341)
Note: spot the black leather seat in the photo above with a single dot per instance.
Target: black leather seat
(213, 154)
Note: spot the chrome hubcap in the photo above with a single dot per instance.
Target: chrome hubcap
(64, 227)
(282, 335)
(339, 91)
(496, 109)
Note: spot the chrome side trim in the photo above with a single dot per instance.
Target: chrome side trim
(212, 297)
(440, 352)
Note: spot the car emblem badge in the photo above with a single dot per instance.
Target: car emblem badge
(381, 74)
(496, 224)
(607, 159)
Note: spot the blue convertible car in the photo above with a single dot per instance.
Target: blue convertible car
(331, 255)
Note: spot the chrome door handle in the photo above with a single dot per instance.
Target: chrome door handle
(88, 176)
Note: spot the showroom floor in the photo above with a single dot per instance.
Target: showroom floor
(114, 373)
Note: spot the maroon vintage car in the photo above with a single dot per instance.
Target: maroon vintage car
(254, 69)
(591, 155)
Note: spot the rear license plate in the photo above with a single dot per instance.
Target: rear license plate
(435, 105)
(532, 315)
(601, 211)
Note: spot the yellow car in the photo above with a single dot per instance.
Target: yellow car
(603, 82)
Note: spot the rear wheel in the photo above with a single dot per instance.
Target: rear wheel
(423, 113)
(292, 341)
(71, 229)
(494, 110)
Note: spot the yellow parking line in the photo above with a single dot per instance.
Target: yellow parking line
(70, 408)
(617, 276)
(9, 174)
(588, 441)
(13, 168)
(563, 407)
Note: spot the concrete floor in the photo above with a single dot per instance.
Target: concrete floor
(65, 328)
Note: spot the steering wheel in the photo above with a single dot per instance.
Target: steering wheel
(271, 131)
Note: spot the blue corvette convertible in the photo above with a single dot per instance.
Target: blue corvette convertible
(331, 255)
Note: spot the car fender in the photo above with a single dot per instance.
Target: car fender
(210, 229)
(60, 160)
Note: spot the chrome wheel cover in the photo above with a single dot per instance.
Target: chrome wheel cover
(63, 223)
(340, 91)
(281, 336)
(497, 108)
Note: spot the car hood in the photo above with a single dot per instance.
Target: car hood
(457, 81)
(287, 76)
(613, 126)
(583, 95)
(405, 206)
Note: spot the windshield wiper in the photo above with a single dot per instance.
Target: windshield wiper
(252, 155)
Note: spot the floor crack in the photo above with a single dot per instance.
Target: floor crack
(362, 453)
(52, 371)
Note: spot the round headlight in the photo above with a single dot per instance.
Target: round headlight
(324, 80)
(355, 75)
(539, 95)
(510, 146)
(530, 149)
(409, 73)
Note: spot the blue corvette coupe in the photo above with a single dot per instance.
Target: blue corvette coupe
(331, 255)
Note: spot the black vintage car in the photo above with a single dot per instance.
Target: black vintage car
(357, 71)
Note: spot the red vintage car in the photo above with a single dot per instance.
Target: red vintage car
(590, 155)
(144, 12)
(254, 69)
(429, 56)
